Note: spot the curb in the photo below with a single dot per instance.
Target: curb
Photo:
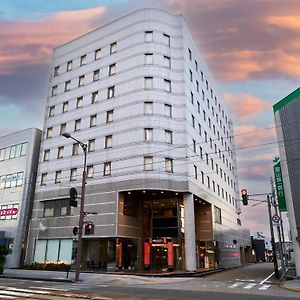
(37, 278)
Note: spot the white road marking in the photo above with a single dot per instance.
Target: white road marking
(249, 286)
(18, 294)
(267, 278)
(7, 297)
(265, 287)
(48, 288)
(235, 285)
(27, 291)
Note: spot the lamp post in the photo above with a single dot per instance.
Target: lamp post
(81, 213)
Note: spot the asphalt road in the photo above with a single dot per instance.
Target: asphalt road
(251, 282)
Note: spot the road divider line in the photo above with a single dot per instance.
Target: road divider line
(267, 278)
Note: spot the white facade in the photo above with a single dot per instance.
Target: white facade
(18, 166)
(139, 94)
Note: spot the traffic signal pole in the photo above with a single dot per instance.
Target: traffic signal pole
(272, 238)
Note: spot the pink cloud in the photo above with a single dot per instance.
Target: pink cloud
(245, 106)
(24, 42)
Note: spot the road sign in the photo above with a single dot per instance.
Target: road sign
(276, 218)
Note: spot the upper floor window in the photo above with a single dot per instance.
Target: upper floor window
(168, 137)
(148, 36)
(167, 84)
(169, 165)
(57, 177)
(93, 120)
(69, 65)
(148, 108)
(56, 208)
(111, 92)
(167, 62)
(108, 141)
(112, 69)
(191, 76)
(77, 125)
(148, 82)
(65, 107)
(63, 128)
(168, 110)
(113, 47)
(95, 97)
(148, 132)
(92, 145)
(107, 168)
(67, 85)
(54, 90)
(73, 174)
(90, 171)
(109, 116)
(96, 75)
(218, 216)
(75, 149)
(49, 132)
(60, 152)
(79, 102)
(46, 155)
(97, 54)
(56, 71)
(148, 163)
(148, 58)
(44, 178)
(196, 65)
(81, 80)
(51, 111)
(166, 39)
(83, 60)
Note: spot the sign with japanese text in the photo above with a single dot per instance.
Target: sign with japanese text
(279, 184)
(8, 212)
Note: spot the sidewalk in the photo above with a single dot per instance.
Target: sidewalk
(292, 283)
(94, 276)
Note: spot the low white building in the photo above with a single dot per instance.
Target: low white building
(19, 153)
(161, 164)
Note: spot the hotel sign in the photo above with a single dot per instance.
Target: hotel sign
(279, 184)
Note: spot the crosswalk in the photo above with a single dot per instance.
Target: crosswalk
(35, 293)
(249, 286)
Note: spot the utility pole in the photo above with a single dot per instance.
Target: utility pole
(272, 239)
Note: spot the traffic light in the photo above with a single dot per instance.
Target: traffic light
(75, 230)
(73, 196)
(89, 229)
(244, 196)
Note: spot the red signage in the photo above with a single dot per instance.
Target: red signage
(8, 212)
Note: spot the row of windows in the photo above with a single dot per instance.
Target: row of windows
(57, 208)
(83, 59)
(148, 109)
(211, 184)
(11, 180)
(148, 166)
(148, 37)
(108, 143)
(13, 151)
(148, 84)
(81, 79)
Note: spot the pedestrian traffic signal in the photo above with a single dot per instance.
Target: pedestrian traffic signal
(244, 196)
(89, 229)
(73, 196)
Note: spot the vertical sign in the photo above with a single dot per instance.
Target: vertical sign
(279, 184)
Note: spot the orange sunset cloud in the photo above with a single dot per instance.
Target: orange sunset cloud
(245, 106)
(32, 41)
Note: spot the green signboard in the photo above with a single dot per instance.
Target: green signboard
(279, 184)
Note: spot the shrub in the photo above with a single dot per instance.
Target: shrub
(3, 253)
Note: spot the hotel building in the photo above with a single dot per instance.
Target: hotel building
(161, 168)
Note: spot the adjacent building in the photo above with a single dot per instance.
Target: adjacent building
(19, 153)
(161, 168)
(286, 113)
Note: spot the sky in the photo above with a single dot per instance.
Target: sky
(252, 48)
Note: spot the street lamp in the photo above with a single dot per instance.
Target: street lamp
(81, 213)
